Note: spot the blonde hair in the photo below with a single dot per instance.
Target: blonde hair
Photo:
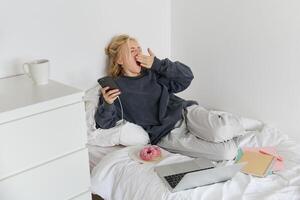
(113, 50)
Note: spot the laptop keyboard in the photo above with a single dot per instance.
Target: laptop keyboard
(174, 179)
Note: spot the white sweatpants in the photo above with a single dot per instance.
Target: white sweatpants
(204, 133)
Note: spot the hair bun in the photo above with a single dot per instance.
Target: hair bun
(106, 51)
(110, 51)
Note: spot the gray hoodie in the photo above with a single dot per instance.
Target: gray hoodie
(148, 99)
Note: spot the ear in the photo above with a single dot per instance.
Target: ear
(120, 61)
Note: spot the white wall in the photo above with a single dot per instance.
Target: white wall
(245, 56)
(73, 34)
(244, 53)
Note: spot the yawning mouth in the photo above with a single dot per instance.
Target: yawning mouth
(138, 63)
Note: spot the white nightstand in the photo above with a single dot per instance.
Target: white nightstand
(42, 142)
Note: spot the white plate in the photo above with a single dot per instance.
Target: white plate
(134, 154)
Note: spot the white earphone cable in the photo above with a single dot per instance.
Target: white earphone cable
(122, 112)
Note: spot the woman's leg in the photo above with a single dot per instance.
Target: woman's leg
(213, 126)
(182, 142)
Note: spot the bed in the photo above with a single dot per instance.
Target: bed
(115, 176)
(96, 153)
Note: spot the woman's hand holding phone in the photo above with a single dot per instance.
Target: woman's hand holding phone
(110, 95)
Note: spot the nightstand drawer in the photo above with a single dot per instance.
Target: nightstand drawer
(42, 137)
(61, 179)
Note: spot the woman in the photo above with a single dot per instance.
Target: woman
(147, 87)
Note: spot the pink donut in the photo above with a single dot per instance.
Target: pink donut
(150, 153)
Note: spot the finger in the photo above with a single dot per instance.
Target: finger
(142, 59)
(112, 91)
(103, 90)
(141, 56)
(114, 95)
(144, 65)
(150, 52)
(111, 97)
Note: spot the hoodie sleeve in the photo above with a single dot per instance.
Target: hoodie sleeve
(105, 115)
(175, 76)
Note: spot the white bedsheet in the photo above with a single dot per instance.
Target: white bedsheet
(117, 177)
(96, 153)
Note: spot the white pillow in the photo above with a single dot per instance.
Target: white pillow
(125, 133)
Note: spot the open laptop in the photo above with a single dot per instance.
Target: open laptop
(194, 173)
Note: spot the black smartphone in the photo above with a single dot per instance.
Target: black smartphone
(108, 81)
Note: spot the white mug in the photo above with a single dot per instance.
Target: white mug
(37, 71)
